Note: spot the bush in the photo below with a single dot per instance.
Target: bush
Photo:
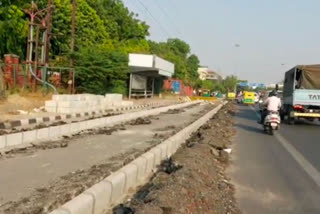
(100, 71)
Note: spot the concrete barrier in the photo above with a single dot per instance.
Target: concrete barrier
(117, 186)
(131, 172)
(72, 128)
(141, 164)
(3, 141)
(102, 195)
(118, 182)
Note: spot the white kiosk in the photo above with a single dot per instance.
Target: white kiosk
(145, 70)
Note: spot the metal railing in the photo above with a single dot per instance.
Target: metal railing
(25, 76)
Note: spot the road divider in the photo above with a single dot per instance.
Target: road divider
(40, 120)
(24, 139)
(100, 198)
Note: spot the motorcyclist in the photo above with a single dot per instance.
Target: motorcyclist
(272, 104)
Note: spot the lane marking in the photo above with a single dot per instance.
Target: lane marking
(297, 156)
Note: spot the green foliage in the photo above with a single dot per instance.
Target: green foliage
(230, 83)
(179, 47)
(100, 71)
(177, 51)
(208, 84)
(61, 27)
(193, 65)
(224, 86)
(119, 21)
(106, 31)
(13, 31)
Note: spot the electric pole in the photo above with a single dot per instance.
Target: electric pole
(73, 32)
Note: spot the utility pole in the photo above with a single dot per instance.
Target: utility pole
(73, 32)
(48, 32)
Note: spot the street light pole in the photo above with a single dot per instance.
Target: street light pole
(236, 64)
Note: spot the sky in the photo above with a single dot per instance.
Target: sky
(257, 40)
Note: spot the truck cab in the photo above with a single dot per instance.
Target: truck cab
(301, 93)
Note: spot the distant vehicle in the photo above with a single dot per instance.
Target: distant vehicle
(302, 93)
(248, 97)
(231, 95)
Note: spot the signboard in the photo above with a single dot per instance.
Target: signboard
(243, 84)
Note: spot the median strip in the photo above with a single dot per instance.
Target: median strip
(25, 138)
(112, 190)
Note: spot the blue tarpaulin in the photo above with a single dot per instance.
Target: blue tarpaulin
(176, 86)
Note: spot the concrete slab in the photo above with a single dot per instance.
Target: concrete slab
(29, 136)
(2, 142)
(102, 195)
(118, 181)
(82, 204)
(14, 139)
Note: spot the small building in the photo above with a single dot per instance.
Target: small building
(206, 74)
(147, 73)
(212, 75)
(203, 71)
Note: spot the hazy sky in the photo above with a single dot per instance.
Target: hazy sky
(274, 35)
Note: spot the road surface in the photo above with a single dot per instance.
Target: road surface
(276, 174)
(24, 173)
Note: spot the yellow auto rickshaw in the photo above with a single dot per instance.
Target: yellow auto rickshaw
(248, 97)
(231, 95)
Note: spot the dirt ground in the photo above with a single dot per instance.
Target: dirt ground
(195, 181)
(25, 102)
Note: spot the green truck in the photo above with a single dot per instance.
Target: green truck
(301, 93)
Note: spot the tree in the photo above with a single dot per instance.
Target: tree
(192, 66)
(13, 31)
(177, 51)
(208, 84)
(179, 47)
(100, 71)
(230, 83)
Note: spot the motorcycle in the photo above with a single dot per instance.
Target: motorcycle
(271, 122)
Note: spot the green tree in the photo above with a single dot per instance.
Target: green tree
(192, 66)
(230, 83)
(208, 84)
(179, 47)
(119, 21)
(99, 70)
(13, 30)
(177, 51)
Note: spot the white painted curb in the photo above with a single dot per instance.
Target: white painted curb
(27, 137)
(103, 196)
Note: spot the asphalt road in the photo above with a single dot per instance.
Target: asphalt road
(276, 174)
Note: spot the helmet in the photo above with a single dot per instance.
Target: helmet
(273, 93)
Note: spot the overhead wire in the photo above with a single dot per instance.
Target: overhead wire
(168, 17)
(164, 30)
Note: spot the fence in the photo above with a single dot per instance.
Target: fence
(177, 86)
(19, 76)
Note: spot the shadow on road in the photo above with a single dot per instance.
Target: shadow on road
(250, 128)
(247, 114)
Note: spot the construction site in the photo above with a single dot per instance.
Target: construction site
(107, 131)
